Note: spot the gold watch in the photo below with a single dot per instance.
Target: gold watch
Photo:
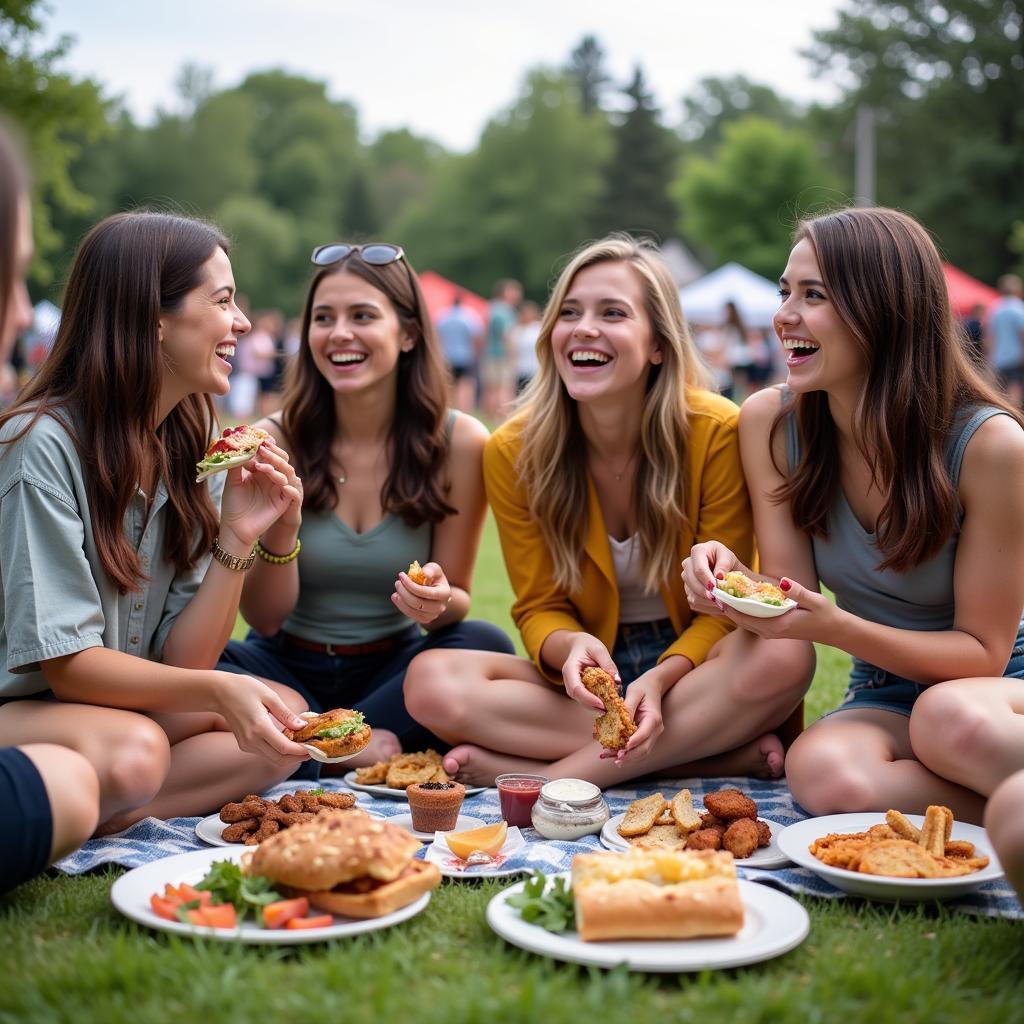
(233, 562)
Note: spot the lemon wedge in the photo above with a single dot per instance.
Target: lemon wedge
(489, 839)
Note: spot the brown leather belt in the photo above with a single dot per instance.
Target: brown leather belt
(372, 647)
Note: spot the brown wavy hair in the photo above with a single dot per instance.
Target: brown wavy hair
(416, 486)
(884, 278)
(102, 382)
(552, 461)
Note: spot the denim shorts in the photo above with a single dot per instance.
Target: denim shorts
(873, 687)
(639, 645)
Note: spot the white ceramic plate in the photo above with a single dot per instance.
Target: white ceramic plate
(795, 840)
(774, 924)
(392, 794)
(131, 892)
(766, 857)
(454, 867)
(211, 828)
(757, 609)
(462, 824)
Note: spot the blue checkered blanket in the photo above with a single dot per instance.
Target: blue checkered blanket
(151, 839)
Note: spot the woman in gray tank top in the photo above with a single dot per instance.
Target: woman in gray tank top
(890, 470)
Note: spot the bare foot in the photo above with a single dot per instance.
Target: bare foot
(383, 745)
(477, 766)
(118, 823)
(762, 758)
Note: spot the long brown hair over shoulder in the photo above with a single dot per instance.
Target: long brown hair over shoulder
(884, 278)
(552, 461)
(102, 381)
(13, 190)
(416, 485)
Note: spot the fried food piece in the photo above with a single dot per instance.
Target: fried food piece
(416, 574)
(236, 832)
(251, 806)
(406, 769)
(616, 725)
(336, 801)
(898, 858)
(950, 867)
(958, 848)
(641, 815)
(879, 833)
(902, 826)
(841, 850)
(268, 827)
(663, 837)
(704, 839)
(708, 820)
(730, 804)
(936, 830)
(764, 834)
(372, 775)
(685, 817)
(740, 838)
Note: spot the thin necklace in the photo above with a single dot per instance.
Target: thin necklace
(629, 461)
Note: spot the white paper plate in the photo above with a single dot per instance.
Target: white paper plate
(211, 828)
(774, 924)
(756, 609)
(766, 857)
(462, 824)
(392, 794)
(795, 840)
(131, 892)
(454, 867)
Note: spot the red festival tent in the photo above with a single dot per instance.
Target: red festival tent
(966, 292)
(440, 293)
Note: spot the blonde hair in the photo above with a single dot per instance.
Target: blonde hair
(552, 460)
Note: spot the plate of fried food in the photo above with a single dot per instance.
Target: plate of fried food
(651, 910)
(760, 598)
(252, 819)
(341, 874)
(729, 822)
(894, 856)
(391, 778)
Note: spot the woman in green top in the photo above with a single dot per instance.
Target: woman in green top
(112, 614)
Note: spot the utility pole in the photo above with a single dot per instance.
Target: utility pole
(864, 157)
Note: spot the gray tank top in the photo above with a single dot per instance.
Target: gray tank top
(847, 560)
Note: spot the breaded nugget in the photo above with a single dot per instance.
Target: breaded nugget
(236, 832)
(251, 806)
(764, 833)
(372, 775)
(708, 820)
(268, 827)
(704, 839)
(902, 826)
(841, 850)
(641, 816)
(959, 848)
(663, 837)
(740, 838)
(730, 804)
(612, 729)
(336, 801)
(685, 817)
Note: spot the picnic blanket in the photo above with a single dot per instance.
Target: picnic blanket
(152, 839)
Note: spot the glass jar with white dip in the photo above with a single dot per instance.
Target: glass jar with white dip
(569, 808)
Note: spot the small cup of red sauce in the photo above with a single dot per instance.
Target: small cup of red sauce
(518, 793)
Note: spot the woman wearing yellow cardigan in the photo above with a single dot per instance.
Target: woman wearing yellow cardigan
(616, 464)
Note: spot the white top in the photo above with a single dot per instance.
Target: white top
(635, 603)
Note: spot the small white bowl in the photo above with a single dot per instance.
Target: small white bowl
(756, 609)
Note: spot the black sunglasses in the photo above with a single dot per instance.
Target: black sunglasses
(379, 254)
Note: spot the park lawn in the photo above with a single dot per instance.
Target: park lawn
(67, 955)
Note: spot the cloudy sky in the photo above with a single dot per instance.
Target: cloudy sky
(439, 67)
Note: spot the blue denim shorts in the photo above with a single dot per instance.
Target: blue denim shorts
(639, 645)
(873, 687)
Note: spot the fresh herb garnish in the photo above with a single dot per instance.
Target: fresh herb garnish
(249, 893)
(551, 907)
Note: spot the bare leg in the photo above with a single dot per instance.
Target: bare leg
(1004, 820)
(862, 760)
(971, 730)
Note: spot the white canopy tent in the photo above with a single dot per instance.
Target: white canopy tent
(756, 297)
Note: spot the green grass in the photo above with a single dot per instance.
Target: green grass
(68, 956)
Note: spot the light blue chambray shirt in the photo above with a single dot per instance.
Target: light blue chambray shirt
(55, 598)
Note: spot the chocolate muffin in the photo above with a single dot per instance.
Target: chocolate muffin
(435, 805)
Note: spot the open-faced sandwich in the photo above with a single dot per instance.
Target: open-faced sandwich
(235, 446)
(347, 863)
(737, 584)
(656, 894)
(337, 733)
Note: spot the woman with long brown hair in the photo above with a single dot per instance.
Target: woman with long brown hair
(391, 477)
(891, 470)
(618, 460)
(113, 612)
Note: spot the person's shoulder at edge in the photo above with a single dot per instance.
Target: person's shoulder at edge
(763, 406)
(46, 441)
(469, 436)
(507, 439)
(709, 405)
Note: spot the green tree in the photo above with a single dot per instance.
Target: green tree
(586, 68)
(644, 162)
(716, 102)
(743, 203)
(58, 113)
(401, 169)
(946, 80)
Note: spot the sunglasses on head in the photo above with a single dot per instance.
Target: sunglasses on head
(379, 254)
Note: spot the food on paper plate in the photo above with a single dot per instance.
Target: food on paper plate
(235, 446)
(346, 863)
(254, 819)
(434, 806)
(891, 850)
(402, 770)
(655, 894)
(336, 733)
(739, 585)
(416, 574)
(613, 728)
(489, 839)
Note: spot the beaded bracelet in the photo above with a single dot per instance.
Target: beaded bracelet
(269, 556)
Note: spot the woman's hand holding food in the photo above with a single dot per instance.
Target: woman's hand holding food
(262, 493)
(643, 701)
(256, 715)
(814, 618)
(586, 651)
(423, 602)
(707, 562)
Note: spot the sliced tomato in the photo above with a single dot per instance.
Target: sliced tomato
(277, 915)
(220, 915)
(198, 917)
(171, 892)
(188, 895)
(164, 907)
(323, 921)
